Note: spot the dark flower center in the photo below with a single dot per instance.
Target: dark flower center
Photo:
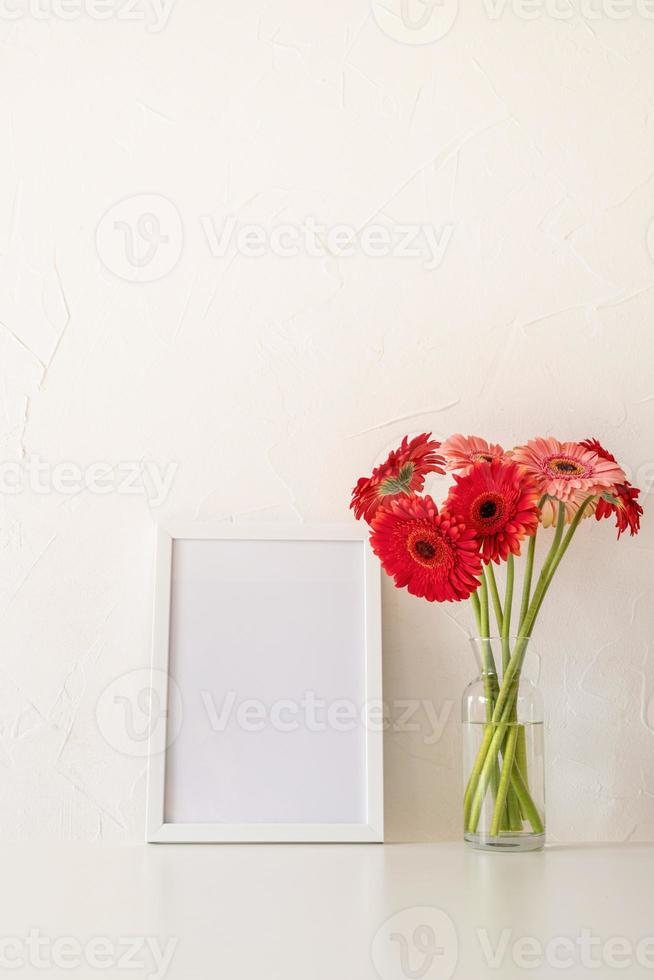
(489, 512)
(483, 458)
(566, 467)
(425, 549)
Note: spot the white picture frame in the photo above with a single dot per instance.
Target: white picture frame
(182, 779)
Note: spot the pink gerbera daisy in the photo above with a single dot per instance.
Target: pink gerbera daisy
(462, 452)
(567, 470)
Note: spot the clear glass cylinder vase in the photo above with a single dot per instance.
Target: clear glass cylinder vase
(503, 748)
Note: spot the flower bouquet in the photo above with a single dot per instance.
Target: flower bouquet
(499, 499)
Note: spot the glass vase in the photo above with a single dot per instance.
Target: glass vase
(503, 748)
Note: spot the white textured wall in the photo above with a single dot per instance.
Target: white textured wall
(271, 383)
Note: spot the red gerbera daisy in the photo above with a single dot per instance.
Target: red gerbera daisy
(403, 473)
(624, 500)
(434, 555)
(596, 446)
(499, 502)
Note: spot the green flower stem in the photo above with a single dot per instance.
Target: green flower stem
(501, 718)
(521, 760)
(489, 670)
(505, 781)
(574, 524)
(474, 599)
(484, 766)
(476, 605)
(508, 691)
(527, 805)
(498, 729)
(515, 663)
(483, 599)
(489, 574)
(476, 773)
(508, 605)
(479, 601)
(529, 571)
(514, 811)
(512, 803)
(526, 584)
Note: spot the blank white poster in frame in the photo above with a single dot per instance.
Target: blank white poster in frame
(267, 655)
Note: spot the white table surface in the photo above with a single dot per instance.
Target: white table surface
(352, 912)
